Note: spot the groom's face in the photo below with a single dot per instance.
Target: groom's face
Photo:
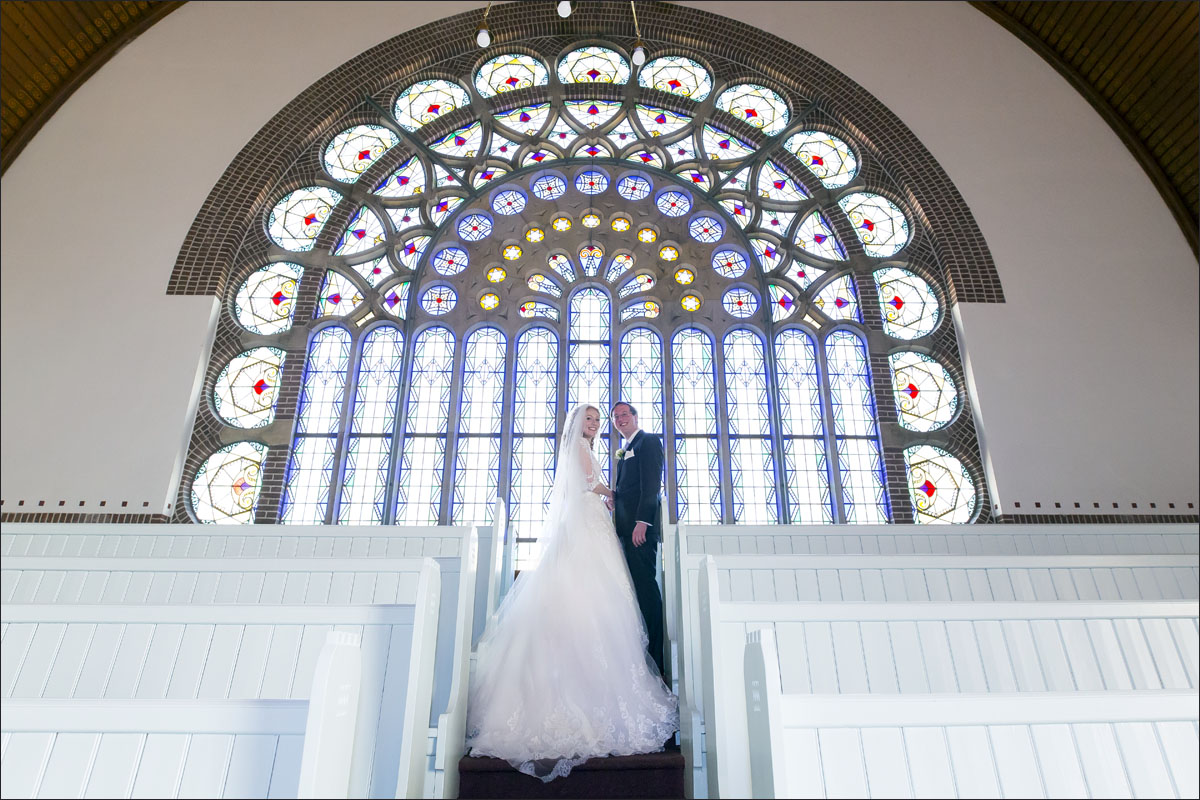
(624, 420)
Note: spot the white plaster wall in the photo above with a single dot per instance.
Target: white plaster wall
(1100, 320)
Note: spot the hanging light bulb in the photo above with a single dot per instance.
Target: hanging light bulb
(564, 8)
(483, 37)
(639, 54)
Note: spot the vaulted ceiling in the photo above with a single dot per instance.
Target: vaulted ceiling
(1136, 63)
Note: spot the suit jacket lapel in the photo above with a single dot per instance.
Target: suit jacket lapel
(621, 461)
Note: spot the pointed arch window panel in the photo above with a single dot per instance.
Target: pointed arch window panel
(806, 463)
(697, 455)
(422, 461)
(535, 426)
(480, 425)
(603, 235)
(318, 420)
(372, 423)
(750, 458)
(860, 458)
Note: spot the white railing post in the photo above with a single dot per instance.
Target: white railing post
(764, 697)
(410, 778)
(504, 533)
(452, 725)
(500, 557)
(710, 656)
(332, 717)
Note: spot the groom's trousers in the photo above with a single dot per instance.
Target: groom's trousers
(643, 570)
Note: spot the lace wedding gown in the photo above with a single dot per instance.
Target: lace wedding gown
(563, 674)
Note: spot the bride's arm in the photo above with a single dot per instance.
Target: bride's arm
(594, 481)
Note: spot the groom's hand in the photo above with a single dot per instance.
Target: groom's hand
(639, 534)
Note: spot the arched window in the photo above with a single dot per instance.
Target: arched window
(741, 272)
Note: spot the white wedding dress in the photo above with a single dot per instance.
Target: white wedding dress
(562, 673)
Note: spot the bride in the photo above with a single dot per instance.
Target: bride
(562, 673)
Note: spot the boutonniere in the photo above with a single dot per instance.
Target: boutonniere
(620, 454)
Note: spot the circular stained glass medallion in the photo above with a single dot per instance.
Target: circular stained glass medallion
(438, 300)
(690, 302)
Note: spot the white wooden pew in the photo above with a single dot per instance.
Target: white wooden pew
(899, 578)
(1098, 744)
(925, 648)
(267, 578)
(70, 656)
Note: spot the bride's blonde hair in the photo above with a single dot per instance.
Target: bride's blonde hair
(592, 441)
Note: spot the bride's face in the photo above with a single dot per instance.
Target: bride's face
(591, 423)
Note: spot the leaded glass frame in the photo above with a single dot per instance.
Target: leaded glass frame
(721, 184)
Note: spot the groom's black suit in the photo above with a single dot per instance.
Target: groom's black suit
(638, 498)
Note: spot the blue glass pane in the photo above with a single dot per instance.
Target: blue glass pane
(306, 487)
(590, 314)
(642, 376)
(850, 385)
(535, 399)
(324, 383)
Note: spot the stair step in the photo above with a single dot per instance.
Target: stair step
(657, 775)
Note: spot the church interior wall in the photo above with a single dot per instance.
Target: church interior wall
(1085, 379)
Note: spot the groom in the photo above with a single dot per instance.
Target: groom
(637, 516)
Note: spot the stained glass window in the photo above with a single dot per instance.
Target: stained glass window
(593, 65)
(525, 121)
(590, 258)
(474, 227)
(639, 283)
(395, 299)
(429, 212)
(227, 485)
(806, 466)
(296, 220)
(677, 75)
(535, 425)
(540, 283)
(706, 230)
(775, 184)
(620, 264)
(838, 300)
(925, 394)
(826, 156)
(549, 187)
(426, 101)
(264, 302)
(783, 304)
(646, 308)
(674, 203)
(910, 308)
(421, 475)
(508, 202)
(352, 151)
(860, 462)
(879, 224)
(480, 422)
(462, 143)
(740, 303)
(246, 389)
(660, 121)
(729, 263)
(767, 252)
(439, 300)
(319, 415)
(722, 146)
(364, 232)
(533, 309)
(591, 181)
(941, 488)
(737, 207)
(755, 105)
(372, 423)
(642, 376)
(593, 113)
(406, 181)
(633, 187)
(751, 461)
(697, 457)
(339, 296)
(562, 265)
(508, 72)
(816, 237)
(450, 261)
